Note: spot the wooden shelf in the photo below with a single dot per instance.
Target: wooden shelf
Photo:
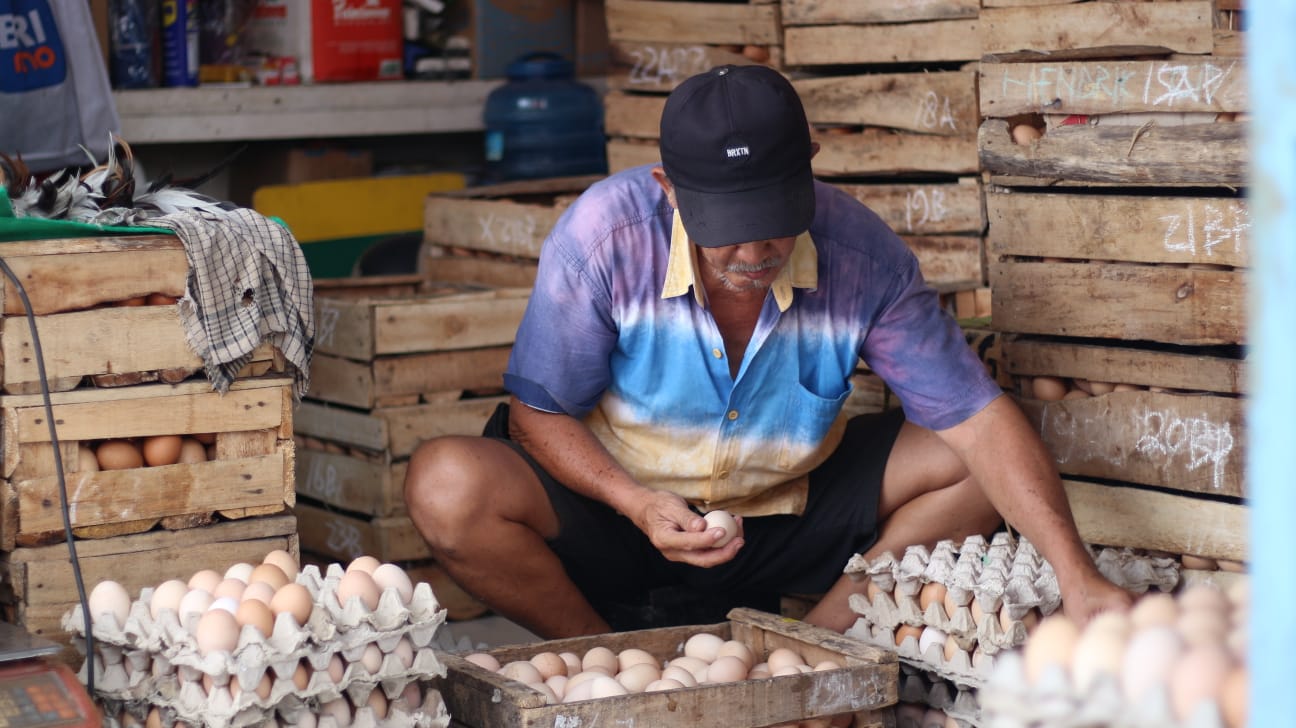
(223, 113)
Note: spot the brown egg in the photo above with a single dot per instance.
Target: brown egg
(118, 455)
(633, 656)
(232, 588)
(1197, 678)
(1076, 394)
(86, 460)
(726, 669)
(1053, 643)
(549, 664)
(192, 451)
(1233, 698)
(739, 650)
(484, 661)
(285, 561)
(133, 301)
(162, 449)
(783, 657)
(602, 658)
(268, 573)
(377, 702)
(206, 438)
(932, 592)
(636, 677)
(154, 719)
(366, 564)
(1025, 134)
(294, 599)
(1049, 389)
(161, 299)
(205, 579)
(573, 661)
(301, 676)
(760, 54)
(902, 633)
(1198, 562)
(257, 614)
(357, 583)
(703, 646)
(1154, 609)
(260, 591)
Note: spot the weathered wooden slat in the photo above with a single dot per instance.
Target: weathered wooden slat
(436, 265)
(79, 280)
(925, 209)
(633, 115)
(623, 154)
(649, 66)
(937, 40)
(948, 259)
(344, 536)
(835, 12)
(1198, 155)
(1123, 364)
(363, 329)
(692, 22)
(351, 483)
(1090, 29)
(1118, 301)
(942, 102)
(1133, 518)
(496, 223)
(362, 384)
(1114, 86)
(1192, 230)
(875, 152)
(1185, 443)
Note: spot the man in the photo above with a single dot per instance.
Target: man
(688, 347)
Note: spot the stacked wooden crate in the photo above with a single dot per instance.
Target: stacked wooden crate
(656, 44)
(1118, 241)
(123, 380)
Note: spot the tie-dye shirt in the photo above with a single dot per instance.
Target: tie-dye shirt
(613, 335)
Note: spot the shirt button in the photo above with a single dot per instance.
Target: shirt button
(733, 414)
(717, 353)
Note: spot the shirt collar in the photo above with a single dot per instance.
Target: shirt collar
(801, 271)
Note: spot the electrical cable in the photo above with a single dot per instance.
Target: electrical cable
(58, 468)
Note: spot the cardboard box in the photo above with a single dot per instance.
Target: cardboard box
(331, 40)
(272, 164)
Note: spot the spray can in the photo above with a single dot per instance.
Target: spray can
(180, 42)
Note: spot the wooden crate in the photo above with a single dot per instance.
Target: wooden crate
(657, 67)
(372, 352)
(512, 218)
(251, 472)
(1097, 29)
(867, 685)
(1180, 426)
(1167, 269)
(846, 12)
(39, 587)
(75, 286)
(343, 536)
(623, 153)
(656, 44)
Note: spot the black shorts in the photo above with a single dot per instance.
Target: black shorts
(612, 562)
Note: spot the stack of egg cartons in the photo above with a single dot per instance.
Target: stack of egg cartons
(950, 612)
(1177, 662)
(251, 647)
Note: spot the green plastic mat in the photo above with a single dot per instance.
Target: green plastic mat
(13, 229)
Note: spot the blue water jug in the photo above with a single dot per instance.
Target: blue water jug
(543, 123)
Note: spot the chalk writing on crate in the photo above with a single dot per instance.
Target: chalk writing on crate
(1168, 84)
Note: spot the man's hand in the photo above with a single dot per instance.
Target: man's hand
(681, 534)
(1092, 596)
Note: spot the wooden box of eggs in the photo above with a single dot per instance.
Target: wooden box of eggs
(105, 309)
(757, 669)
(378, 351)
(952, 610)
(506, 219)
(136, 456)
(40, 587)
(269, 643)
(818, 33)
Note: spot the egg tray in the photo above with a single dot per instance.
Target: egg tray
(967, 669)
(1008, 700)
(990, 635)
(919, 686)
(432, 713)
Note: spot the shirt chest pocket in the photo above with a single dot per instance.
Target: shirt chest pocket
(808, 417)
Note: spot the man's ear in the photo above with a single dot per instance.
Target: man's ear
(659, 174)
(814, 149)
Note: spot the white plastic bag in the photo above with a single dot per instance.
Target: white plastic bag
(54, 92)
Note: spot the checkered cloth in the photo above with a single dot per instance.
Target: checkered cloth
(248, 283)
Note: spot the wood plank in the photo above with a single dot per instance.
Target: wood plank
(1212, 155)
(931, 41)
(410, 426)
(945, 259)
(1184, 84)
(941, 102)
(236, 410)
(464, 321)
(51, 581)
(925, 209)
(623, 154)
(359, 384)
(436, 265)
(343, 536)
(875, 152)
(1119, 301)
(1134, 518)
(650, 66)
(101, 341)
(73, 281)
(368, 430)
(498, 226)
(1193, 444)
(157, 540)
(1230, 43)
(633, 115)
(350, 483)
(390, 286)
(1097, 28)
(165, 490)
(149, 390)
(835, 12)
(692, 22)
(1119, 364)
(1192, 230)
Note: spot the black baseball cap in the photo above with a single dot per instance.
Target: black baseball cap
(736, 146)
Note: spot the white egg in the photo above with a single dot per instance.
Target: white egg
(109, 598)
(391, 576)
